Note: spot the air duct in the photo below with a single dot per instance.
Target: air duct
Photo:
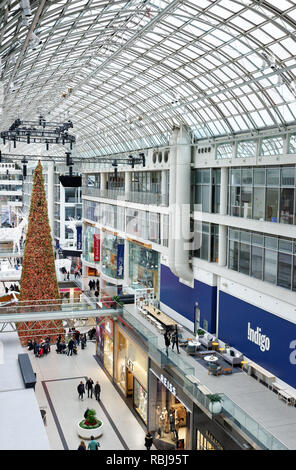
(172, 199)
(182, 188)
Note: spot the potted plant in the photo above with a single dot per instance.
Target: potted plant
(215, 405)
(117, 300)
(90, 426)
(226, 347)
(200, 332)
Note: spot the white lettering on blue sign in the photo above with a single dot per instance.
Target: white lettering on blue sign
(256, 337)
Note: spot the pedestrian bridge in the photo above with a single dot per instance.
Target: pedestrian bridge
(28, 311)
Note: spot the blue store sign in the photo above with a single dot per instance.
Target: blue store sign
(268, 340)
(79, 237)
(120, 260)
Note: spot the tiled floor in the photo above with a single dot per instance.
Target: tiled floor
(56, 390)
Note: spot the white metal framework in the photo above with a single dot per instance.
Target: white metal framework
(127, 71)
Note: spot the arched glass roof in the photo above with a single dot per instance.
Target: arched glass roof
(125, 72)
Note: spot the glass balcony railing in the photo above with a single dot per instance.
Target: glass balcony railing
(133, 196)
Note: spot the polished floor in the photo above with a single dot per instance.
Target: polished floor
(56, 392)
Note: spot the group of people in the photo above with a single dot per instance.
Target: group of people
(40, 349)
(92, 445)
(94, 285)
(171, 337)
(91, 389)
(13, 287)
(75, 339)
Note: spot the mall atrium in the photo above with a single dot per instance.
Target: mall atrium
(148, 214)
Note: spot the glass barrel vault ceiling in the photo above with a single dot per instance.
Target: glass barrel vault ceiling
(131, 70)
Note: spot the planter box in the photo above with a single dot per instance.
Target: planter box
(215, 407)
(87, 433)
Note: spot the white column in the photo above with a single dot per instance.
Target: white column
(127, 183)
(222, 251)
(126, 279)
(223, 190)
(50, 195)
(103, 180)
(164, 182)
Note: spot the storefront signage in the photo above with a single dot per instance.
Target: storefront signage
(120, 260)
(97, 247)
(168, 384)
(214, 440)
(256, 337)
(79, 237)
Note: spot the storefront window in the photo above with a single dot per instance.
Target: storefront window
(140, 400)
(172, 419)
(143, 266)
(113, 256)
(89, 242)
(108, 346)
(131, 364)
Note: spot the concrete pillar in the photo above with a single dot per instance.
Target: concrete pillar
(128, 183)
(103, 180)
(164, 185)
(222, 251)
(62, 215)
(223, 190)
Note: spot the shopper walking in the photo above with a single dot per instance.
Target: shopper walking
(82, 446)
(175, 339)
(81, 390)
(90, 387)
(148, 440)
(97, 390)
(167, 340)
(93, 445)
(83, 341)
(70, 347)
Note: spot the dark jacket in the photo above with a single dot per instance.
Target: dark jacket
(167, 339)
(89, 384)
(71, 344)
(97, 388)
(81, 388)
(148, 440)
(175, 337)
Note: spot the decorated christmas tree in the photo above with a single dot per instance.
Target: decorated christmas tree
(38, 281)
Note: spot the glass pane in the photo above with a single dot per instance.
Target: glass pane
(259, 203)
(245, 236)
(271, 242)
(288, 176)
(257, 262)
(246, 202)
(273, 176)
(270, 266)
(244, 259)
(287, 206)
(257, 239)
(206, 198)
(259, 176)
(204, 250)
(233, 234)
(284, 270)
(206, 176)
(285, 245)
(224, 150)
(272, 203)
(292, 144)
(272, 146)
(233, 255)
(294, 274)
(235, 201)
(235, 177)
(247, 176)
(246, 149)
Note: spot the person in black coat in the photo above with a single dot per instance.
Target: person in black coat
(89, 387)
(97, 390)
(175, 339)
(167, 340)
(81, 390)
(148, 440)
(70, 347)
